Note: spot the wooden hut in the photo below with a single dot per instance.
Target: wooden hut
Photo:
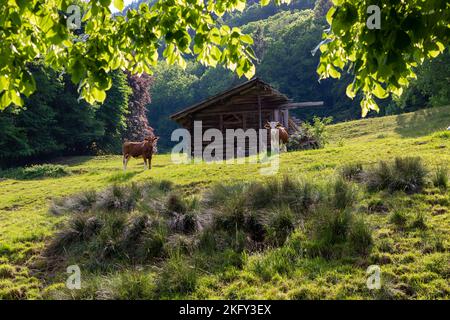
(248, 105)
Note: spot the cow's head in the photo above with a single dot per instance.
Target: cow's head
(151, 139)
(272, 125)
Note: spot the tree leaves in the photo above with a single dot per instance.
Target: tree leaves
(382, 61)
(108, 42)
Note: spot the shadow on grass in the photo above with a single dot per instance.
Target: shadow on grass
(35, 172)
(122, 176)
(423, 122)
(72, 161)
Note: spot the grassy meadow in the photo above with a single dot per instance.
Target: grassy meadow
(406, 233)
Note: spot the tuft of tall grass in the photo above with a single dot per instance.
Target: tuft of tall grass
(129, 285)
(231, 214)
(79, 229)
(153, 240)
(278, 261)
(352, 171)
(343, 194)
(175, 203)
(360, 237)
(255, 225)
(399, 218)
(165, 185)
(177, 277)
(262, 195)
(184, 223)
(78, 203)
(440, 177)
(339, 233)
(134, 230)
(300, 195)
(419, 221)
(220, 193)
(280, 224)
(117, 197)
(181, 244)
(108, 244)
(404, 174)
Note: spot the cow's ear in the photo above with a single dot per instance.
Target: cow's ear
(155, 138)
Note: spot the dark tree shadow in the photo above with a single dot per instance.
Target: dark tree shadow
(423, 122)
(72, 161)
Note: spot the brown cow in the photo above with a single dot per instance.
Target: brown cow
(145, 148)
(282, 132)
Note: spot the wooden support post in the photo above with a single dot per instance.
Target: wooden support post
(276, 115)
(286, 118)
(259, 112)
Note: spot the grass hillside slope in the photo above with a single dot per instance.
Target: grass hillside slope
(351, 215)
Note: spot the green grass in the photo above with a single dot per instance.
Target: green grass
(412, 257)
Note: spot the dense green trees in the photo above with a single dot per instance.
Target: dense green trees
(431, 88)
(381, 61)
(283, 45)
(32, 131)
(114, 113)
(55, 122)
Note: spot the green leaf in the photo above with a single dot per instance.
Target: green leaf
(240, 6)
(379, 91)
(246, 39)
(333, 72)
(5, 100)
(350, 91)
(99, 95)
(105, 3)
(118, 4)
(368, 104)
(214, 36)
(330, 15)
(402, 40)
(251, 72)
(29, 84)
(4, 82)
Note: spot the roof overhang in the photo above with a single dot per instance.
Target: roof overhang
(238, 90)
(284, 101)
(301, 105)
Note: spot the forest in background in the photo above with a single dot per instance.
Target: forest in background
(283, 40)
(55, 123)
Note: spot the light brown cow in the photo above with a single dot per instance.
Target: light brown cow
(282, 132)
(144, 149)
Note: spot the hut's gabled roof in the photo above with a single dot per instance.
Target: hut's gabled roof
(238, 90)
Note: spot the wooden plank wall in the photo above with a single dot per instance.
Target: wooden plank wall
(238, 112)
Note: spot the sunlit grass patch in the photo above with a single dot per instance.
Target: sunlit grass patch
(248, 219)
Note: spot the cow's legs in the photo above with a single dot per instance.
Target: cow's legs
(145, 163)
(150, 162)
(125, 161)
